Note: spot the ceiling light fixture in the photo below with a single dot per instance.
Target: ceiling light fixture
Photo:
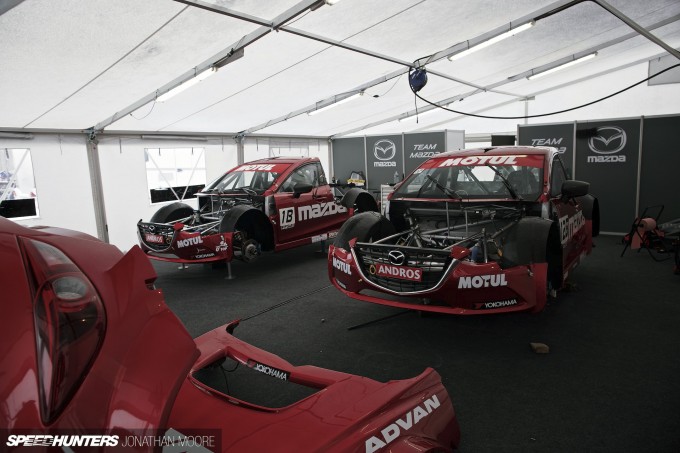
(562, 66)
(193, 138)
(419, 114)
(493, 40)
(20, 135)
(335, 104)
(320, 3)
(189, 83)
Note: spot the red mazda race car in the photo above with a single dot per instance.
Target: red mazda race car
(468, 232)
(266, 205)
(92, 356)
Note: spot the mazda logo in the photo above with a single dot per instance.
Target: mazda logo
(396, 257)
(384, 149)
(609, 140)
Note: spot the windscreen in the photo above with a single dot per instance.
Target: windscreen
(476, 177)
(253, 177)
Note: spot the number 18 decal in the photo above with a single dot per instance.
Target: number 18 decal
(287, 218)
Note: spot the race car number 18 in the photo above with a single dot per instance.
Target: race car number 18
(287, 218)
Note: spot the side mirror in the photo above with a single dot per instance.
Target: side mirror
(301, 188)
(573, 189)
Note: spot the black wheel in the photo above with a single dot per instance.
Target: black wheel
(366, 227)
(252, 232)
(172, 212)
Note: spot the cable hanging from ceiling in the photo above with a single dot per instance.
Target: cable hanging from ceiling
(418, 80)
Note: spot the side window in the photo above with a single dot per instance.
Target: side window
(18, 195)
(174, 173)
(322, 181)
(557, 177)
(307, 174)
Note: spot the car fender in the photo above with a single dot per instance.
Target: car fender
(535, 240)
(591, 211)
(363, 226)
(359, 200)
(526, 242)
(252, 220)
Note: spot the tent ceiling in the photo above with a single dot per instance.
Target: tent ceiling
(66, 66)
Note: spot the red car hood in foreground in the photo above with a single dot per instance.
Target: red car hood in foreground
(143, 356)
(143, 376)
(347, 413)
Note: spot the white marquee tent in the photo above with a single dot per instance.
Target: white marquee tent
(73, 70)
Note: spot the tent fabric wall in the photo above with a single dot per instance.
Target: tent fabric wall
(255, 148)
(62, 181)
(124, 179)
(64, 188)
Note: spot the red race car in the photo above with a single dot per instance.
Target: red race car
(92, 356)
(468, 232)
(266, 205)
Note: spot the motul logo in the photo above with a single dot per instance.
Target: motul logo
(320, 210)
(189, 241)
(482, 281)
(410, 419)
(480, 160)
(256, 167)
(342, 266)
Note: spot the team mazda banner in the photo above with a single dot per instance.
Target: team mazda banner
(384, 158)
(607, 155)
(420, 147)
(560, 136)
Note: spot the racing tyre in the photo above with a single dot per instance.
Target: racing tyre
(366, 227)
(172, 212)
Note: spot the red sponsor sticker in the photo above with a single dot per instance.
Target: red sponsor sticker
(401, 272)
(155, 238)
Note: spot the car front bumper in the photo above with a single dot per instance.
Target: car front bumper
(459, 287)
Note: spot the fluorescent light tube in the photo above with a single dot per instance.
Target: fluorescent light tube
(189, 83)
(493, 40)
(562, 66)
(335, 104)
(175, 137)
(413, 117)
